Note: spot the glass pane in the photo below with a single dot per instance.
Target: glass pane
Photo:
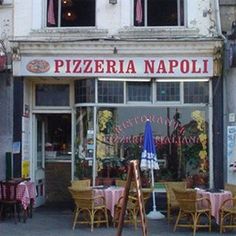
(57, 136)
(85, 91)
(168, 91)
(162, 13)
(39, 144)
(196, 92)
(72, 12)
(110, 92)
(52, 95)
(180, 135)
(138, 91)
(159, 12)
(84, 143)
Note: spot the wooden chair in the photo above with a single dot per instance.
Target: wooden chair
(228, 214)
(231, 188)
(191, 209)
(89, 209)
(132, 209)
(8, 199)
(172, 203)
(81, 184)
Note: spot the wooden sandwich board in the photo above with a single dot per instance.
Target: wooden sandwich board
(133, 173)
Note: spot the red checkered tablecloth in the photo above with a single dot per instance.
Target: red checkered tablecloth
(25, 193)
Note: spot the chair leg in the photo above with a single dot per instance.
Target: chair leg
(76, 214)
(177, 220)
(195, 220)
(168, 214)
(91, 214)
(15, 212)
(106, 217)
(209, 220)
(1, 212)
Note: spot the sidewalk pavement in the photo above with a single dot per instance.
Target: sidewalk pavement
(54, 222)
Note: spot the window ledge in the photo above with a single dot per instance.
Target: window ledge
(69, 33)
(158, 32)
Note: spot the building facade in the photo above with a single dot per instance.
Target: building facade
(92, 72)
(6, 85)
(228, 16)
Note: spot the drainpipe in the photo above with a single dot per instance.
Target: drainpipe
(224, 76)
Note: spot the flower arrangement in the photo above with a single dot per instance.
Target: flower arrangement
(199, 118)
(105, 125)
(123, 172)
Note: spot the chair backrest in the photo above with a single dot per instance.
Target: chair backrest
(82, 198)
(8, 190)
(231, 188)
(81, 184)
(122, 183)
(169, 189)
(187, 199)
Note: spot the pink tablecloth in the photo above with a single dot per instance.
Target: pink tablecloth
(112, 195)
(216, 200)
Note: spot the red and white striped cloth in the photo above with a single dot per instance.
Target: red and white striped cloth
(139, 12)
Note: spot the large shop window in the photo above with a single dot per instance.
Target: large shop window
(70, 13)
(158, 12)
(180, 134)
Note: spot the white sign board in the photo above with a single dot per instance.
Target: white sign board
(115, 66)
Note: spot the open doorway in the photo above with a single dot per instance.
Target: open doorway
(53, 157)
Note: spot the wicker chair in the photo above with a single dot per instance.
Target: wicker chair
(231, 188)
(89, 209)
(192, 209)
(122, 183)
(228, 214)
(81, 184)
(172, 203)
(132, 209)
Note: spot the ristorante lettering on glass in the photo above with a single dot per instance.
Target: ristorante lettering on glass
(119, 66)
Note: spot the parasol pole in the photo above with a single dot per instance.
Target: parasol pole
(154, 214)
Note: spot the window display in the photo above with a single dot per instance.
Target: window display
(180, 135)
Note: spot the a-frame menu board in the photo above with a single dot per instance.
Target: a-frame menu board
(133, 173)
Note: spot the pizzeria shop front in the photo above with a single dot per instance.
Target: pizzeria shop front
(83, 116)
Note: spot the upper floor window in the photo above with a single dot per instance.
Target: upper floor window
(70, 13)
(159, 12)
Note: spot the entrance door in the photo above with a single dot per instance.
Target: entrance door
(39, 160)
(52, 157)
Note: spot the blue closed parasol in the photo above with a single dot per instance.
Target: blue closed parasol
(149, 162)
